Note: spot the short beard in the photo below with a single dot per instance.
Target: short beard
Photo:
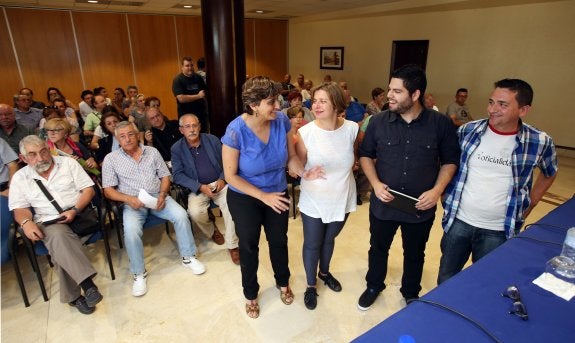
(405, 106)
(41, 167)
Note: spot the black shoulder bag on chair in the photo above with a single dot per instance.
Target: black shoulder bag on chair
(84, 223)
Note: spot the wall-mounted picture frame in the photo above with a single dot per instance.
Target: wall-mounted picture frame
(331, 57)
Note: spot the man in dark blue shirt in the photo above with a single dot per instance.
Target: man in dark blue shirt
(413, 150)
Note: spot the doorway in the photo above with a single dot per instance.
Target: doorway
(408, 52)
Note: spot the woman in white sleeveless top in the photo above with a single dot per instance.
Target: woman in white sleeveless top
(325, 203)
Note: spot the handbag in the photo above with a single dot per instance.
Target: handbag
(84, 223)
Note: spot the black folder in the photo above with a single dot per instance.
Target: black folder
(403, 202)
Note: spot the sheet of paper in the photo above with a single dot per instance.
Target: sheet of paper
(553, 284)
(148, 200)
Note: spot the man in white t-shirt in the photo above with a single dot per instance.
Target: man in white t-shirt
(491, 195)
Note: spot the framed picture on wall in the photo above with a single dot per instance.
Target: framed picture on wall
(331, 57)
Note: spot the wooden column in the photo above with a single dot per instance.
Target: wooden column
(223, 38)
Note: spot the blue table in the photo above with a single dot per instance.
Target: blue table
(476, 292)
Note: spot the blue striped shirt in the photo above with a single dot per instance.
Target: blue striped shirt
(122, 171)
(533, 148)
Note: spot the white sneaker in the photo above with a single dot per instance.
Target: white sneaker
(196, 266)
(140, 286)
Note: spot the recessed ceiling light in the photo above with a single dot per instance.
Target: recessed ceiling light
(187, 7)
(259, 11)
(93, 1)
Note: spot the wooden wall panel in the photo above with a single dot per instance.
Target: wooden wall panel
(48, 54)
(11, 83)
(271, 53)
(190, 37)
(155, 57)
(104, 50)
(46, 50)
(250, 45)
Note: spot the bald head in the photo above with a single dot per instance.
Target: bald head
(7, 117)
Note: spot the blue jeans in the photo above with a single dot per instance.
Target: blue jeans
(6, 220)
(133, 230)
(462, 240)
(318, 245)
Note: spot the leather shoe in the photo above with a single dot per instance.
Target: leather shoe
(217, 237)
(93, 296)
(82, 306)
(235, 255)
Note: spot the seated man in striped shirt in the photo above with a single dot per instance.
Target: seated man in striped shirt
(134, 169)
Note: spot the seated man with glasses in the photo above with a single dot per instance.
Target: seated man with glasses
(197, 166)
(162, 133)
(130, 171)
(72, 189)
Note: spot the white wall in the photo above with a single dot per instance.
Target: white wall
(468, 48)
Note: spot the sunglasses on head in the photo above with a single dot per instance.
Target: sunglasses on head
(518, 308)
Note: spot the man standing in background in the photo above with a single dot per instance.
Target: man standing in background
(189, 89)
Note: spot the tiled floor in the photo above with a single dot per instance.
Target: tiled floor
(181, 307)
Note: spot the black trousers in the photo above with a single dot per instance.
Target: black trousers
(414, 237)
(249, 214)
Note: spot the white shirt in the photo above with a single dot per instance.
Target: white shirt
(332, 198)
(65, 182)
(485, 194)
(85, 109)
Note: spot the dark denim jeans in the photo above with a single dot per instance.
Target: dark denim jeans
(414, 237)
(463, 240)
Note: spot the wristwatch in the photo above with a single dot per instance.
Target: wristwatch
(76, 209)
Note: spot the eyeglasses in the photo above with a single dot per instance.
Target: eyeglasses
(518, 309)
(190, 126)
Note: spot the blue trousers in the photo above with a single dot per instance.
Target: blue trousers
(318, 245)
(463, 240)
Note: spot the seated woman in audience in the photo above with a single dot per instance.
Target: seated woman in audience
(48, 112)
(108, 143)
(306, 91)
(295, 99)
(86, 106)
(138, 112)
(256, 147)
(59, 142)
(327, 141)
(119, 100)
(379, 98)
(99, 131)
(295, 115)
(54, 93)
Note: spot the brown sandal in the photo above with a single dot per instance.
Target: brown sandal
(253, 310)
(286, 296)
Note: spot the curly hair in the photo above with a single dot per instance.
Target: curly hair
(257, 89)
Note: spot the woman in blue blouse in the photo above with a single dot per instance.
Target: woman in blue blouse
(256, 147)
